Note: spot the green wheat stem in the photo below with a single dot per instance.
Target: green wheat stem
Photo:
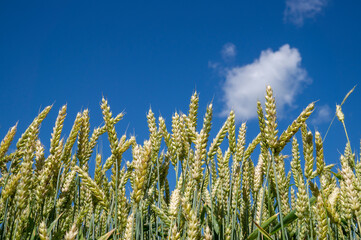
(278, 196)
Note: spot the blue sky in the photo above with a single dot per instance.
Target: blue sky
(142, 54)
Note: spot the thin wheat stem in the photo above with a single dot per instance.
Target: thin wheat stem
(278, 196)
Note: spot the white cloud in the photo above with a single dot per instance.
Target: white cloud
(297, 10)
(213, 65)
(280, 69)
(322, 115)
(228, 51)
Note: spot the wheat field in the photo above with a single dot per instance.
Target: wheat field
(242, 190)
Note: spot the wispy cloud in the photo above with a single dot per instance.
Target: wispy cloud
(228, 51)
(323, 114)
(245, 84)
(213, 65)
(298, 10)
